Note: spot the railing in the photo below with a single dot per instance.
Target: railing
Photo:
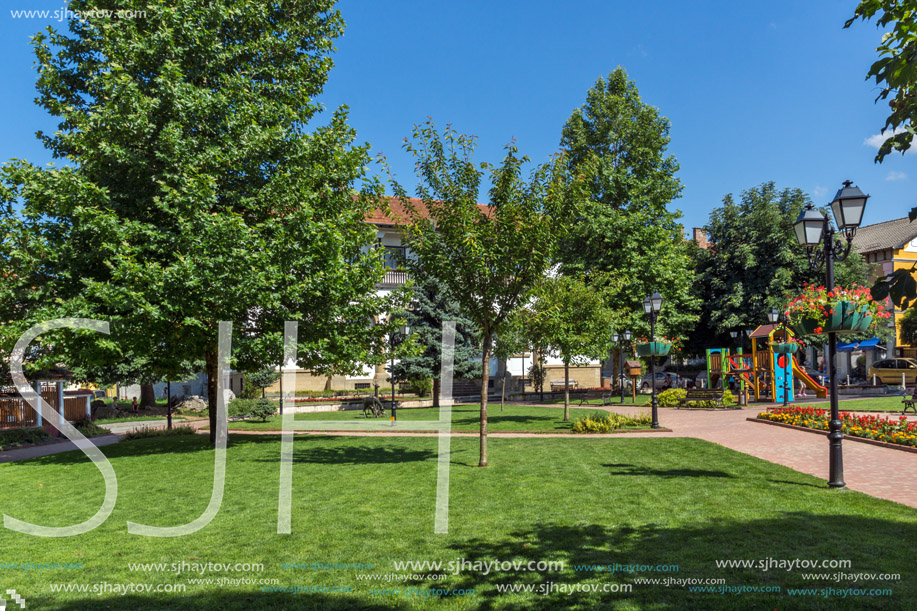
(395, 277)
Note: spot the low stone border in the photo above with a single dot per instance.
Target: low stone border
(875, 442)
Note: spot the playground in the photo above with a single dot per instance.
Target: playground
(769, 373)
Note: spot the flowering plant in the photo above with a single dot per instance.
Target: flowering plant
(899, 431)
(817, 304)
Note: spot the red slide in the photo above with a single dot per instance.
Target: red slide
(799, 372)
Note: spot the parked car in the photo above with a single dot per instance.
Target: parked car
(889, 371)
(664, 380)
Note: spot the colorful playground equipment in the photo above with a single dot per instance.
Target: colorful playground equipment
(765, 372)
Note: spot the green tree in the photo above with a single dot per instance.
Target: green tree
(894, 71)
(489, 256)
(194, 193)
(626, 227)
(573, 320)
(754, 262)
(433, 304)
(256, 381)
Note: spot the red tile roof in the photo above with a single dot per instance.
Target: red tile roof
(380, 216)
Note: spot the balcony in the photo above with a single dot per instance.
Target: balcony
(393, 278)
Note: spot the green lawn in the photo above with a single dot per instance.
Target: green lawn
(884, 404)
(464, 418)
(615, 400)
(629, 501)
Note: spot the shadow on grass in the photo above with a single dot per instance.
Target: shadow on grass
(695, 548)
(627, 469)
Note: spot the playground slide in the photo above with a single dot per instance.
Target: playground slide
(820, 391)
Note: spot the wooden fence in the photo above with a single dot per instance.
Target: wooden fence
(16, 413)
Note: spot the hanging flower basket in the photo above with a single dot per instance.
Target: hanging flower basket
(786, 348)
(654, 348)
(818, 311)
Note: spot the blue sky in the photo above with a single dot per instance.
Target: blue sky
(754, 91)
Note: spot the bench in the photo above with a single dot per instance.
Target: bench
(909, 402)
(558, 385)
(703, 394)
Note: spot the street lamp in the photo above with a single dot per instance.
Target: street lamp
(404, 331)
(651, 306)
(620, 339)
(812, 228)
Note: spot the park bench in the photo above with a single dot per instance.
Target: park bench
(703, 394)
(909, 401)
(557, 387)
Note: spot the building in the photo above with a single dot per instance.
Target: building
(888, 247)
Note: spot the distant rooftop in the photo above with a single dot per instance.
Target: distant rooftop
(890, 234)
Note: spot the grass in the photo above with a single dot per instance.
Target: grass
(615, 400)
(464, 418)
(133, 418)
(586, 502)
(871, 404)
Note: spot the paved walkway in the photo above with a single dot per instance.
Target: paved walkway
(52, 448)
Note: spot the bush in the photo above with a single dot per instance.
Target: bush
(670, 397)
(22, 437)
(90, 428)
(422, 387)
(146, 432)
(605, 422)
(261, 409)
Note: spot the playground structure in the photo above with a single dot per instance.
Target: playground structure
(765, 373)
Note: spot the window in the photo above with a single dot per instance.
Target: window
(361, 385)
(393, 257)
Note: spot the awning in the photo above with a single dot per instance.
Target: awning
(866, 344)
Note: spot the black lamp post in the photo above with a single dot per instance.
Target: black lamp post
(404, 331)
(774, 317)
(625, 338)
(811, 227)
(651, 306)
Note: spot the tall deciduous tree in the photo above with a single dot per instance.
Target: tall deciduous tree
(488, 256)
(894, 70)
(573, 319)
(627, 227)
(433, 304)
(754, 261)
(194, 193)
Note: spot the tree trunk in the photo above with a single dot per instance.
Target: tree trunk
(566, 390)
(503, 388)
(485, 376)
(211, 365)
(147, 396)
(437, 386)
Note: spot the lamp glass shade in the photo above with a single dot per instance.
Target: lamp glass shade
(734, 334)
(614, 337)
(848, 206)
(647, 306)
(406, 330)
(809, 227)
(627, 336)
(656, 299)
(773, 315)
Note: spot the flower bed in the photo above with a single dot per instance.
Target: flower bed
(885, 429)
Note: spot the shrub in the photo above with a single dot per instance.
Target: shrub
(605, 422)
(145, 432)
(670, 397)
(262, 409)
(21, 437)
(422, 387)
(90, 428)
